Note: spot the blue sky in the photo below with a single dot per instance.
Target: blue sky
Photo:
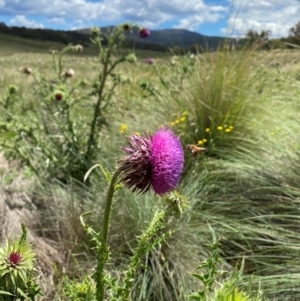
(208, 17)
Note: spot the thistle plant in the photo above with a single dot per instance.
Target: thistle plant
(210, 272)
(180, 70)
(152, 162)
(63, 136)
(17, 281)
(78, 290)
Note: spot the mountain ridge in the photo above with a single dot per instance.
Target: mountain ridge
(159, 39)
(169, 37)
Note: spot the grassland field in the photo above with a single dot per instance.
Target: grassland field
(243, 106)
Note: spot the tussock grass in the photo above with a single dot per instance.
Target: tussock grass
(249, 193)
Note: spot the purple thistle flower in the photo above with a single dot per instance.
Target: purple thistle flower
(150, 61)
(144, 32)
(14, 258)
(167, 161)
(153, 161)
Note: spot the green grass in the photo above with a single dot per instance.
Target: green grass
(246, 187)
(11, 45)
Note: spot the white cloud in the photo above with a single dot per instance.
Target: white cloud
(275, 15)
(187, 14)
(56, 21)
(149, 13)
(77, 9)
(20, 20)
(192, 23)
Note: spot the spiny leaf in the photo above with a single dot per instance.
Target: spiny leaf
(5, 293)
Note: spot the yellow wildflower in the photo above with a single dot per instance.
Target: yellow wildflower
(177, 121)
(184, 113)
(220, 128)
(228, 130)
(231, 127)
(123, 128)
(182, 119)
(172, 123)
(200, 142)
(204, 140)
(207, 130)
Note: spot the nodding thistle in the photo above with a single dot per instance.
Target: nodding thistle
(153, 161)
(144, 32)
(150, 61)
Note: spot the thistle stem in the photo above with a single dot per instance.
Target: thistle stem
(108, 204)
(103, 253)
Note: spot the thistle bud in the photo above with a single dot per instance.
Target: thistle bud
(26, 70)
(58, 95)
(53, 50)
(131, 58)
(126, 27)
(95, 31)
(79, 48)
(12, 89)
(69, 73)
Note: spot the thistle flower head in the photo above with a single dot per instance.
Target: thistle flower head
(153, 161)
(150, 61)
(58, 95)
(16, 265)
(14, 258)
(144, 32)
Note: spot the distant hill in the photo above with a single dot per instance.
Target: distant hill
(160, 40)
(65, 37)
(170, 38)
